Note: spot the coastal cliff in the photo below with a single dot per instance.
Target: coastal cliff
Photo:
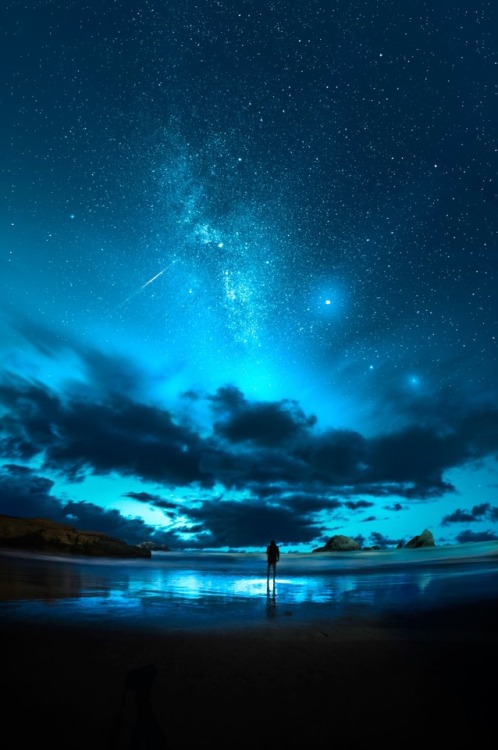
(42, 535)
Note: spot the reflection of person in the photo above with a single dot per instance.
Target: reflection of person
(273, 556)
(271, 601)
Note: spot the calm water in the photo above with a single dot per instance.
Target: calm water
(176, 590)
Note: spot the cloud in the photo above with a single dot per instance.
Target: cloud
(249, 523)
(395, 507)
(472, 536)
(286, 469)
(76, 436)
(23, 493)
(358, 505)
(478, 513)
(382, 541)
(280, 424)
(152, 500)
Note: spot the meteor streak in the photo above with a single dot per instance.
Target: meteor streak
(125, 302)
(154, 278)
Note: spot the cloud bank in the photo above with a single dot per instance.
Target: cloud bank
(246, 468)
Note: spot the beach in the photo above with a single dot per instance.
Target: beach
(193, 650)
(350, 683)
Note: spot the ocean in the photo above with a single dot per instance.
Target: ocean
(188, 591)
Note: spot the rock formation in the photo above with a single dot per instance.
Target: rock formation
(425, 539)
(42, 535)
(339, 543)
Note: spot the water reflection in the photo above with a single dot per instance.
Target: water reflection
(271, 599)
(186, 591)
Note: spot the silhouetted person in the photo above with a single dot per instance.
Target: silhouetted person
(273, 556)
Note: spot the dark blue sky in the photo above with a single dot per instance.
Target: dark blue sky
(249, 270)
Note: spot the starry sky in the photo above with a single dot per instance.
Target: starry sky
(248, 270)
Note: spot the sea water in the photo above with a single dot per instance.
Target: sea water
(182, 590)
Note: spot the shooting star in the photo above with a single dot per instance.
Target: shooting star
(137, 291)
(153, 278)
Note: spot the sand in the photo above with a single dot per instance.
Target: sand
(350, 683)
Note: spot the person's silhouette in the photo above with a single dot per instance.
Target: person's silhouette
(272, 556)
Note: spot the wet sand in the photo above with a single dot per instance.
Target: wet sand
(350, 683)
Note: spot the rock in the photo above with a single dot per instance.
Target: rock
(153, 547)
(42, 535)
(339, 543)
(425, 539)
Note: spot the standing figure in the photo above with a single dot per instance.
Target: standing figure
(273, 556)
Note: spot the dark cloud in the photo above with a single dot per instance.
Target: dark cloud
(310, 502)
(23, 493)
(480, 536)
(277, 424)
(77, 436)
(416, 457)
(153, 500)
(358, 505)
(396, 507)
(288, 469)
(337, 457)
(481, 512)
(249, 523)
(382, 541)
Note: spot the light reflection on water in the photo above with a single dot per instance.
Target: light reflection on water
(182, 590)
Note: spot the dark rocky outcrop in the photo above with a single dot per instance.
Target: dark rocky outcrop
(339, 543)
(42, 535)
(425, 539)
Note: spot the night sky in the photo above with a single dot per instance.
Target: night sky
(249, 270)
